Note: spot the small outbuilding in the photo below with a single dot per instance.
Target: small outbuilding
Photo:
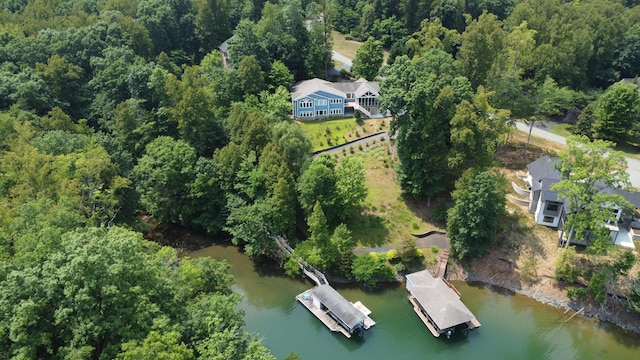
(438, 304)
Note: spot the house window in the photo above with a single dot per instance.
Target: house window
(552, 207)
(335, 101)
(321, 112)
(336, 111)
(321, 102)
(349, 95)
(306, 114)
(548, 219)
(305, 104)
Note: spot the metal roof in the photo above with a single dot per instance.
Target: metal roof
(439, 301)
(339, 306)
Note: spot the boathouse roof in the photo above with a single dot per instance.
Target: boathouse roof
(339, 306)
(440, 302)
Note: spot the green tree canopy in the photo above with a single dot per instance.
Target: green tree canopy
(368, 59)
(616, 112)
(477, 213)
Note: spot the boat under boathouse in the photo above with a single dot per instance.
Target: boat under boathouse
(336, 312)
(438, 304)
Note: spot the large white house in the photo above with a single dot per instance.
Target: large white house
(317, 98)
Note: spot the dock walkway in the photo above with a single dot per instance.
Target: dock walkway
(442, 264)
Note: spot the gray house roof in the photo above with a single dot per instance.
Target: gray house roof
(339, 306)
(439, 301)
(543, 168)
(308, 87)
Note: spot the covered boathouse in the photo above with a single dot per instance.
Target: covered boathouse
(335, 311)
(438, 304)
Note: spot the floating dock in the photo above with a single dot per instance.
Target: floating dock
(437, 303)
(335, 312)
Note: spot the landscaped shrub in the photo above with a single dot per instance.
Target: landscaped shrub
(565, 267)
(576, 293)
(434, 249)
(370, 268)
(291, 267)
(415, 226)
(392, 255)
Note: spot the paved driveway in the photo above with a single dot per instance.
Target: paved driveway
(633, 165)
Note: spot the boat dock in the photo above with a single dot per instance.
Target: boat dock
(437, 303)
(335, 312)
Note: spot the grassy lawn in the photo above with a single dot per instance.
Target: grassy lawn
(343, 46)
(629, 147)
(349, 48)
(388, 217)
(561, 129)
(330, 132)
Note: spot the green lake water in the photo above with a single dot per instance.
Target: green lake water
(513, 326)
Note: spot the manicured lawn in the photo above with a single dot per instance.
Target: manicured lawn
(349, 48)
(327, 133)
(388, 217)
(561, 129)
(343, 46)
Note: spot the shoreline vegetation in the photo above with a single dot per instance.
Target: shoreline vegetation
(500, 266)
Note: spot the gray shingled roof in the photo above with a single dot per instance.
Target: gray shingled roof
(439, 301)
(338, 305)
(543, 168)
(308, 87)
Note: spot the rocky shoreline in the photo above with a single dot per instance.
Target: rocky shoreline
(547, 292)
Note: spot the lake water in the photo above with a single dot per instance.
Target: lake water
(513, 326)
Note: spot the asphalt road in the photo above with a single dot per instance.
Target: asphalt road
(633, 165)
(346, 62)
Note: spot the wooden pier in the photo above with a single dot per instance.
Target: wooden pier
(442, 264)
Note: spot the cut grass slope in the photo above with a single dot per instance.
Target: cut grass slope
(330, 132)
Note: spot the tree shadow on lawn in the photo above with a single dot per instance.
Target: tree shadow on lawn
(426, 210)
(369, 230)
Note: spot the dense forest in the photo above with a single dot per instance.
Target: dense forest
(114, 108)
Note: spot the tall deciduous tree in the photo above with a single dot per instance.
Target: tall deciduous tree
(163, 175)
(616, 112)
(588, 168)
(368, 59)
(422, 96)
(476, 215)
(191, 109)
(482, 44)
(250, 76)
(212, 22)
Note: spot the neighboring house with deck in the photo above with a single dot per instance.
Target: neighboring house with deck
(318, 99)
(550, 210)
